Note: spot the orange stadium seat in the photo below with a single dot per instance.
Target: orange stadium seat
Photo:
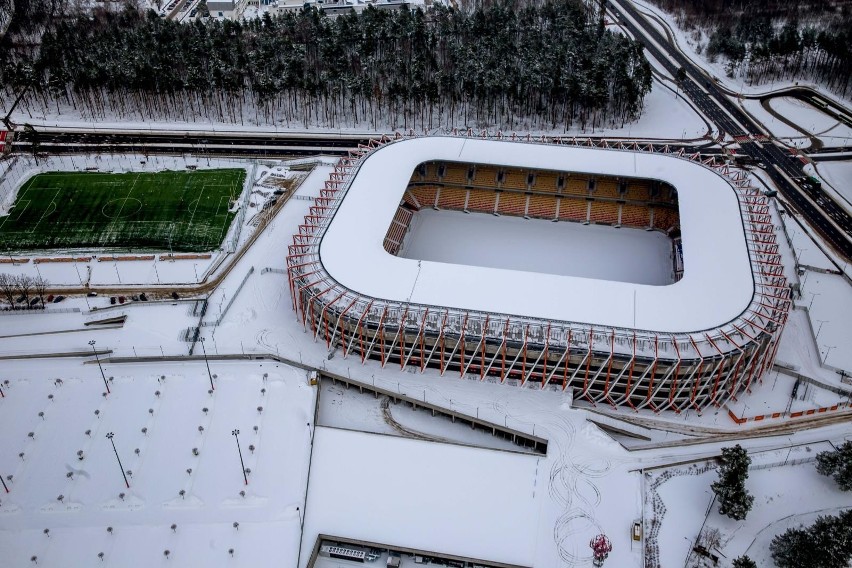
(604, 212)
(577, 186)
(431, 172)
(485, 176)
(512, 203)
(638, 190)
(452, 198)
(542, 207)
(665, 218)
(572, 209)
(455, 174)
(635, 215)
(606, 187)
(425, 195)
(546, 182)
(515, 179)
(481, 200)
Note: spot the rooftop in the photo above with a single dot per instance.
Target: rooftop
(717, 285)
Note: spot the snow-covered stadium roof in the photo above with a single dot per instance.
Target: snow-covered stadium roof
(717, 285)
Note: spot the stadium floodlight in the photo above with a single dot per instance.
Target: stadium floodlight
(98, 359)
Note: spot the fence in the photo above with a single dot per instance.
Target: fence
(231, 301)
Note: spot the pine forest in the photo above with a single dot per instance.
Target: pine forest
(551, 66)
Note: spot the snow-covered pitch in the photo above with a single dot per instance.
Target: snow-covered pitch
(688, 344)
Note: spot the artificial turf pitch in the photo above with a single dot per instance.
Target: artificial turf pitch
(184, 211)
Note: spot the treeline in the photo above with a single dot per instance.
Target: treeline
(544, 67)
(22, 291)
(776, 39)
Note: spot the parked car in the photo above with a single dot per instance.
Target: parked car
(121, 299)
(112, 301)
(58, 299)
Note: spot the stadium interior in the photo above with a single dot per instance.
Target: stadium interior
(540, 194)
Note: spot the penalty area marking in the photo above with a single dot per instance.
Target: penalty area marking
(26, 204)
(50, 209)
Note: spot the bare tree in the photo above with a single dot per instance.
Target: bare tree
(7, 288)
(40, 285)
(24, 284)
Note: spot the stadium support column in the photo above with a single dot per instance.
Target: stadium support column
(503, 351)
(381, 331)
(482, 357)
(673, 388)
(441, 367)
(589, 367)
(361, 329)
(734, 379)
(567, 361)
(562, 359)
(609, 368)
(461, 345)
(524, 356)
(719, 373)
(323, 320)
(627, 392)
(402, 339)
(751, 363)
(696, 376)
(341, 325)
(546, 348)
(423, 340)
(653, 374)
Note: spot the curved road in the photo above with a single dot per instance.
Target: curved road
(821, 211)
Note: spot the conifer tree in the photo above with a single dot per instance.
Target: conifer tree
(734, 499)
(837, 464)
(744, 562)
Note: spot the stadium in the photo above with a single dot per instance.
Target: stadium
(634, 276)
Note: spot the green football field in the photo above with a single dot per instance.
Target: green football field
(172, 210)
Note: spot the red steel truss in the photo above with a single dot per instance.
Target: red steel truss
(614, 366)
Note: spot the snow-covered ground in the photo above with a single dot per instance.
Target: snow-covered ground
(567, 249)
(165, 269)
(540, 511)
(464, 501)
(347, 408)
(787, 491)
(65, 477)
(688, 46)
(664, 116)
(837, 176)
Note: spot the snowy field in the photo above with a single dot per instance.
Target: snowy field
(837, 176)
(537, 245)
(350, 409)
(175, 442)
(437, 496)
(464, 501)
(831, 130)
(689, 506)
(664, 116)
(264, 178)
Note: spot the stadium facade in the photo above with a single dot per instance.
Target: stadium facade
(708, 336)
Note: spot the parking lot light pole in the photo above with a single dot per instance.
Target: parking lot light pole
(124, 475)
(209, 374)
(98, 359)
(236, 434)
